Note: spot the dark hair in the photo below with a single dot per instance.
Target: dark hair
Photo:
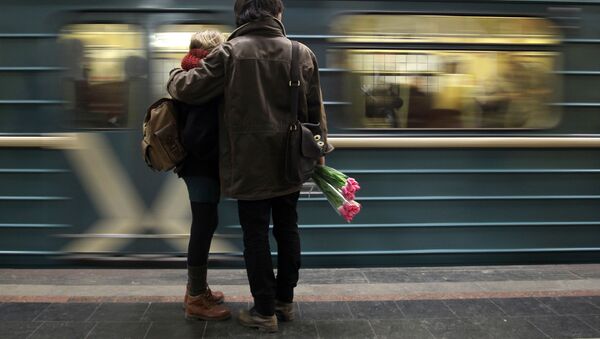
(254, 10)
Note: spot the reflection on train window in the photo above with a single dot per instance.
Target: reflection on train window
(169, 45)
(106, 73)
(449, 88)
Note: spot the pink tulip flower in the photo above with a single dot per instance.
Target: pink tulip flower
(349, 190)
(349, 210)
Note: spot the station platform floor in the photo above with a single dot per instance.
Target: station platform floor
(548, 301)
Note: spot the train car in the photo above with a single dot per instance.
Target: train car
(472, 126)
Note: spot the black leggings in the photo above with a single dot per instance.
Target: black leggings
(204, 223)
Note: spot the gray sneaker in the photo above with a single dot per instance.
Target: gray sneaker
(251, 318)
(284, 311)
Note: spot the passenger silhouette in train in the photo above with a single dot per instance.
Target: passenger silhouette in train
(382, 101)
(419, 104)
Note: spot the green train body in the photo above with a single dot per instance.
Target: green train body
(455, 186)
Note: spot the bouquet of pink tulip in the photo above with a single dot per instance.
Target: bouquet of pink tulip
(339, 189)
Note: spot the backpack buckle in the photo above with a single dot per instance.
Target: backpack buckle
(294, 83)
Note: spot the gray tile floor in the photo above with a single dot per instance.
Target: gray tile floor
(486, 315)
(566, 317)
(308, 276)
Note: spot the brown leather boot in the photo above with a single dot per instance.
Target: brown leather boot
(202, 307)
(251, 318)
(284, 311)
(217, 297)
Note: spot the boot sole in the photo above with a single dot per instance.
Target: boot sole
(219, 302)
(259, 327)
(283, 317)
(199, 317)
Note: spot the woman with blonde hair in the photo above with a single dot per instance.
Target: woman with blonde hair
(200, 171)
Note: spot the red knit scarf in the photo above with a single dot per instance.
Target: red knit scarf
(192, 59)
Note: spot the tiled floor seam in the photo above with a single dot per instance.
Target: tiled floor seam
(206, 326)
(428, 331)
(399, 308)
(91, 329)
(585, 322)
(145, 311)
(550, 307)
(150, 326)
(42, 311)
(36, 329)
(499, 307)
(372, 328)
(316, 328)
(537, 328)
(349, 309)
(449, 308)
(93, 312)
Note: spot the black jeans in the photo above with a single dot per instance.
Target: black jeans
(254, 218)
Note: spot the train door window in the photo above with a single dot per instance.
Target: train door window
(460, 71)
(106, 70)
(169, 44)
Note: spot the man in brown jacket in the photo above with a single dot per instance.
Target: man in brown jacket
(252, 73)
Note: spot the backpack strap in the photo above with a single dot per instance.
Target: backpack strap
(294, 80)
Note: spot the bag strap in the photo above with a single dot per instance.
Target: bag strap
(294, 80)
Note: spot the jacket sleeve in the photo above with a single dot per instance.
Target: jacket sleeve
(314, 97)
(201, 84)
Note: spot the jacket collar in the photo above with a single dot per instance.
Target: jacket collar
(268, 27)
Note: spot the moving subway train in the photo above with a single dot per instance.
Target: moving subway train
(473, 127)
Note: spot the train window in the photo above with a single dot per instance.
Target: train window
(106, 72)
(499, 74)
(169, 45)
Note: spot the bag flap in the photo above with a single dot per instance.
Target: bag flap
(157, 104)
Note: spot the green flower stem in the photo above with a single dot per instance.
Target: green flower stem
(334, 196)
(332, 176)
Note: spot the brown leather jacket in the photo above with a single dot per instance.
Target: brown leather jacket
(252, 71)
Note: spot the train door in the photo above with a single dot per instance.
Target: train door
(117, 64)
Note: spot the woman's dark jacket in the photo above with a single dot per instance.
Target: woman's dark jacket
(200, 137)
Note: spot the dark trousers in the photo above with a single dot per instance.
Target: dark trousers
(254, 218)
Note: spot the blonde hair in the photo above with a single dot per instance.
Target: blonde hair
(206, 40)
